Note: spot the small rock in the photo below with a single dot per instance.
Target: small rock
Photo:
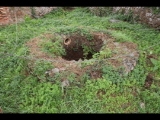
(129, 64)
(104, 42)
(67, 65)
(80, 60)
(62, 69)
(114, 20)
(65, 83)
(73, 61)
(131, 54)
(47, 72)
(116, 43)
(142, 105)
(125, 49)
(55, 70)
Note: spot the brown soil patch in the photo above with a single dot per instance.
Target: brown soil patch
(100, 94)
(74, 46)
(1, 111)
(96, 74)
(123, 54)
(69, 8)
(149, 80)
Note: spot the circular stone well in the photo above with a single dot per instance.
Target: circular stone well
(80, 47)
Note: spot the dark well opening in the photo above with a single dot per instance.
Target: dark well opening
(79, 47)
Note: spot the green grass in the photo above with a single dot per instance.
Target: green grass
(26, 94)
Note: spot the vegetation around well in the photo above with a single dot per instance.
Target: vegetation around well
(24, 87)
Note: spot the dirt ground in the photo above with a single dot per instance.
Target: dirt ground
(124, 54)
(74, 48)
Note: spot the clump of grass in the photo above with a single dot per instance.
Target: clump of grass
(54, 46)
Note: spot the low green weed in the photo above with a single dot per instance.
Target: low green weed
(54, 47)
(40, 68)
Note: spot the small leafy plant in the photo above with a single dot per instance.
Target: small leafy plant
(54, 47)
(40, 68)
(87, 50)
(103, 54)
(156, 64)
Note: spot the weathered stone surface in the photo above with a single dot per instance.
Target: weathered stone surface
(17, 14)
(9, 15)
(4, 15)
(142, 14)
(40, 11)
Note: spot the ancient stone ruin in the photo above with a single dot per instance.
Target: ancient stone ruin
(9, 15)
(140, 14)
